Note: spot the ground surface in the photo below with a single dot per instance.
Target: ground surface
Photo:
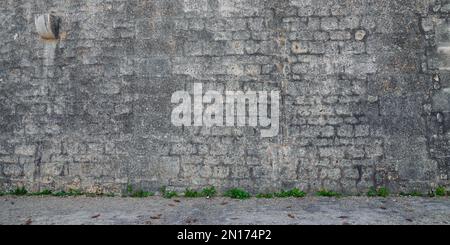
(155, 210)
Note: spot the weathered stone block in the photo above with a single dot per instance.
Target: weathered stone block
(345, 131)
(196, 6)
(169, 167)
(25, 150)
(329, 23)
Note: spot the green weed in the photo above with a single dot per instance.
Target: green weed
(209, 191)
(237, 193)
(170, 194)
(380, 192)
(42, 193)
(69, 193)
(411, 194)
(19, 191)
(265, 195)
(327, 193)
(440, 191)
(290, 193)
(191, 193)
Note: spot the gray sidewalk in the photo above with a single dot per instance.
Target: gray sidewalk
(156, 210)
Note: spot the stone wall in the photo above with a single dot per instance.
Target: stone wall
(365, 90)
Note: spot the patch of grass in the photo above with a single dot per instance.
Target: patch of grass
(372, 192)
(101, 194)
(69, 193)
(237, 193)
(411, 194)
(162, 190)
(19, 191)
(205, 192)
(281, 194)
(22, 192)
(170, 194)
(380, 192)
(142, 194)
(291, 193)
(265, 195)
(42, 193)
(167, 194)
(191, 193)
(383, 192)
(209, 191)
(60, 194)
(440, 191)
(328, 193)
(296, 193)
(137, 193)
(129, 189)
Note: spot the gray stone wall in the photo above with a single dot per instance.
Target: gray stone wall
(364, 87)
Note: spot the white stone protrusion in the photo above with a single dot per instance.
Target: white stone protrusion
(444, 50)
(360, 35)
(47, 26)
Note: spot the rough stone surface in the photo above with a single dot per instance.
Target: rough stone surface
(223, 211)
(91, 111)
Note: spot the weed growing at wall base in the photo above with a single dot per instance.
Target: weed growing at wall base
(167, 194)
(205, 192)
(440, 191)
(137, 193)
(209, 191)
(20, 191)
(170, 194)
(237, 193)
(191, 193)
(378, 192)
(291, 193)
(328, 193)
(265, 195)
(42, 193)
(411, 194)
(71, 192)
(141, 194)
(283, 194)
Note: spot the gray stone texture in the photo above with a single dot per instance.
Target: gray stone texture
(364, 87)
